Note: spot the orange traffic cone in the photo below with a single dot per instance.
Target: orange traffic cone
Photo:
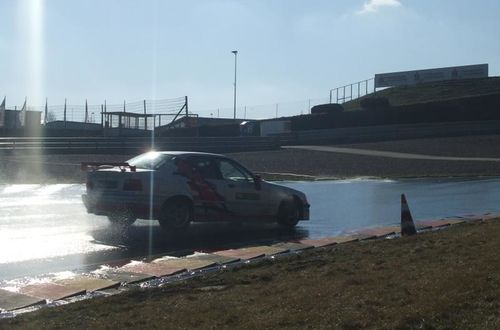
(407, 225)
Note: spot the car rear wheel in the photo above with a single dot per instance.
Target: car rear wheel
(175, 215)
(288, 214)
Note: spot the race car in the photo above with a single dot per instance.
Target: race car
(177, 188)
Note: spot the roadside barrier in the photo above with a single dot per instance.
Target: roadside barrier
(388, 132)
(407, 225)
(248, 143)
(136, 144)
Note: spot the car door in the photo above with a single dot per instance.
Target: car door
(243, 196)
(207, 188)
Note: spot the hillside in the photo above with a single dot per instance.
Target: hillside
(436, 91)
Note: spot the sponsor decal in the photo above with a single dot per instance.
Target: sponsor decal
(201, 188)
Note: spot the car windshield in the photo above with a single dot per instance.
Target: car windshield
(150, 160)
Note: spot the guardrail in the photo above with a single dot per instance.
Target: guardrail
(133, 145)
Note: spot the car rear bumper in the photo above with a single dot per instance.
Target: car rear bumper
(111, 205)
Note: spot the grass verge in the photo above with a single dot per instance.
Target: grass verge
(442, 279)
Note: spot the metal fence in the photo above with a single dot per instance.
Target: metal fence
(165, 110)
(275, 110)
(265, 111)
(352, 91)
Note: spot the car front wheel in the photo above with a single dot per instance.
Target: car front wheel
(288, 214)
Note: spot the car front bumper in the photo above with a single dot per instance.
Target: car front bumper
(305, 211)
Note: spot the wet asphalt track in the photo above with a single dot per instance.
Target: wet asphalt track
(44, 228)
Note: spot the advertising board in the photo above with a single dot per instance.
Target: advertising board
(404, 78)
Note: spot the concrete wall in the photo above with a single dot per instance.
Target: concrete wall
(389, 132)
(269, 127)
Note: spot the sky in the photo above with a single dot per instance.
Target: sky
(288, 50)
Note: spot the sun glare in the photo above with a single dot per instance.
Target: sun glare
(31, 25)
(34, 11)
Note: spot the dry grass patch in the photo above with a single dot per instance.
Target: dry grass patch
(444, 279)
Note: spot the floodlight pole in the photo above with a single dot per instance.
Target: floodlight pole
(235, 52)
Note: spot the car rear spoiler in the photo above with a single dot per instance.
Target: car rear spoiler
(95, 165)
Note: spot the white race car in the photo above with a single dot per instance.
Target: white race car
(177, 188)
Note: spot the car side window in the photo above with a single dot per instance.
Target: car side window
(233, 172)
(206, 168)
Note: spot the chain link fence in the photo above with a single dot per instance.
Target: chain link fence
(164, 110)
(265, 111)
(275, 110)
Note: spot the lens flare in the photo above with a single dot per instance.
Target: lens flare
(31, 25)
(154, 82)
(31, 32)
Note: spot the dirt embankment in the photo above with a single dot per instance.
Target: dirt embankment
(329, 164)
(448, 279)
